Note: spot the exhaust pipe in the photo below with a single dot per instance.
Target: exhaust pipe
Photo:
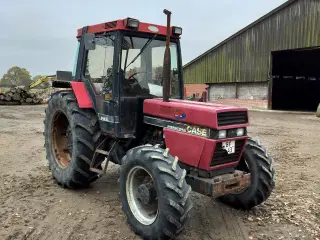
(167, 62)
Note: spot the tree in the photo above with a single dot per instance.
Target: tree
(16, 76)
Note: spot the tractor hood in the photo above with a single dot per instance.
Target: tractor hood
(204, 114)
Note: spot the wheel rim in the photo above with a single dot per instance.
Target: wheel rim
(141, 195)
(61, 140)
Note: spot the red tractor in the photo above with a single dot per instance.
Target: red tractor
(124, 103)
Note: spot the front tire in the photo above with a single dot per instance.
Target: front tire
(71, 137)
(154, 193)
(256, 161)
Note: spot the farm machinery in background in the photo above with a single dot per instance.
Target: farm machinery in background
(116, 108)
(22, 95)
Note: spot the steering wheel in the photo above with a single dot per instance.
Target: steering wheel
(132, 76)
(132, 79)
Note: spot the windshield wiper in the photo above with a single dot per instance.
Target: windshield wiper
(142, 49)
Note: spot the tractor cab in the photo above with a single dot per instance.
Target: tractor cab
(121, 64)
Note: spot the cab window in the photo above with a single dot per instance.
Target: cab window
(99, 64)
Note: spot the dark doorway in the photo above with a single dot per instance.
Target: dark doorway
(296, 79)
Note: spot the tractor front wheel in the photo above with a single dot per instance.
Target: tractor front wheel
(256, 161)
(154, 193)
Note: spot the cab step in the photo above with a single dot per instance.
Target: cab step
(103, 152)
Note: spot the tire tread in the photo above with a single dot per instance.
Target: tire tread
(87, 136)
(175, 191)
(265, 179)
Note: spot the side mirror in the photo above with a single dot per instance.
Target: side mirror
(64, 76)
(175, 71)
(89, 42)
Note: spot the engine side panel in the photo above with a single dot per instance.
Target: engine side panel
(197, 113)
(187, 147)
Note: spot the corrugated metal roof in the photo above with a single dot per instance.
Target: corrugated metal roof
(243, 30)
(246, 56)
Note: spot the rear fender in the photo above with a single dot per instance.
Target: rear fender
(57, 92)
(81, 94)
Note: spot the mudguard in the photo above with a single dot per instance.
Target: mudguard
(81, 94)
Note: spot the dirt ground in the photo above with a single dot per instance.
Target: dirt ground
(33, 206)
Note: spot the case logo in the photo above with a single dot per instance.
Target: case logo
(194, 130)
(197, 131)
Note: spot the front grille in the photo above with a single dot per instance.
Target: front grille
(220, 156)
(230, 118)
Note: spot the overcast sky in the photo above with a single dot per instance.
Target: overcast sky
(40, 35)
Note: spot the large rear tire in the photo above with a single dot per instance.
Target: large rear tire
(154, 193)
(256, 161)
(71, 137)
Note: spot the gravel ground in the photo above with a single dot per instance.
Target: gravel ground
(33, 206)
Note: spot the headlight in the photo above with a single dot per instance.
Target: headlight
(132, 23)
(240, 132)
(177, 30)
(222, 133)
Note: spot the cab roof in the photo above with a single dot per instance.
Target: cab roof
(121, 25)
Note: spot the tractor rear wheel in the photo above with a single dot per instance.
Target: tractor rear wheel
(154, 192)
(256, 161)
(71, 137)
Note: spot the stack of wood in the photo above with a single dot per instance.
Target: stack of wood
(16, 96)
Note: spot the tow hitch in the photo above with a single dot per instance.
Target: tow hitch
(220, 185)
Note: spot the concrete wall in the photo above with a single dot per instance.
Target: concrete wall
(243, 90)
(223, 90)
(253, 91)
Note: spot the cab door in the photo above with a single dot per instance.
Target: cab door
(98, 74)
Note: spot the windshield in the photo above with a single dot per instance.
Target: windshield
(142, 63)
